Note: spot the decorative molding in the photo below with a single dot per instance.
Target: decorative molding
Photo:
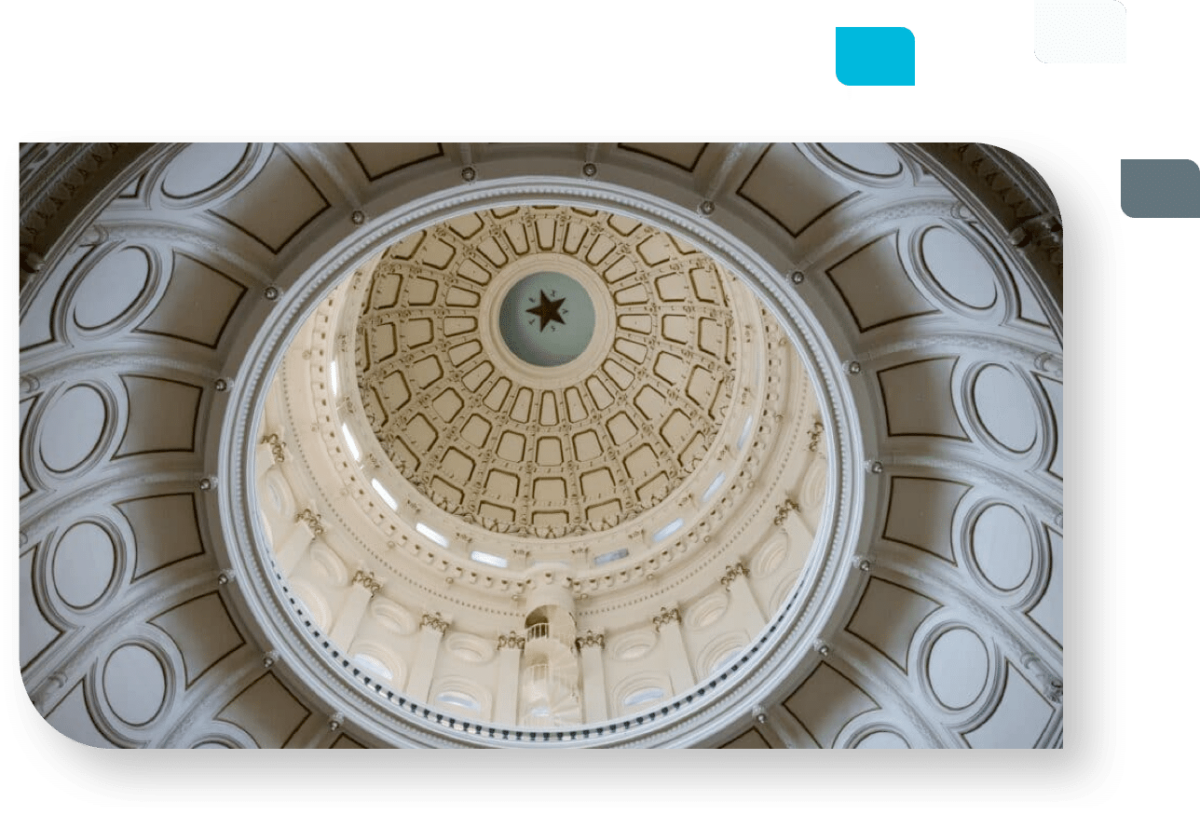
(367, 580)
(732, 572)
(787, 507)
(1016, 197)
(510, 640)
(1051, 363)
(1052, 685)
(53, 685)
(434, 621)
(815, 434)
(277, 447)
(589, 639)
(667, 617)
(864, 563)
(68, 181)
(312, 520)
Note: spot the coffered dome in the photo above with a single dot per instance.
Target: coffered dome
(458, 375)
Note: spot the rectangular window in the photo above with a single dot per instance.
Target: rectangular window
(433, 535)
(612, 556)
(489, 559)
(350, 443)
(384, 493)
(667, 530)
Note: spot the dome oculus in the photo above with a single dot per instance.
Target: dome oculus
(547, 319)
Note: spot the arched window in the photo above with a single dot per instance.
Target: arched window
(457, 698)
(373, 665)
(644, 696)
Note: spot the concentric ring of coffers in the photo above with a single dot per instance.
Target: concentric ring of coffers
(556, 449)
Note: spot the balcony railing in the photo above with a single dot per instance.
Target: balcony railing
(543, 631)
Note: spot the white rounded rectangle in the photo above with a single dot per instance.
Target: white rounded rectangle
(1079, 31)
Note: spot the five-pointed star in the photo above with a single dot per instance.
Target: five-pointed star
(547, 311)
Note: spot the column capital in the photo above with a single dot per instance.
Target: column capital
(277, 446)
(312, 520)
(784, 509)
(510, 640)
(732, 572)
(666, 617)
(434, 621)
(590, 639)
(367, 580)
(814, 435)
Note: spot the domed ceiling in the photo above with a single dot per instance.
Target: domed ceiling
(339, 445)
(559, 408)
(546, 370)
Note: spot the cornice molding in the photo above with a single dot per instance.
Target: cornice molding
(63, 187)
(1016, 197)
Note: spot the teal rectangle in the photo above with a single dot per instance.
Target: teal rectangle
(876, 56)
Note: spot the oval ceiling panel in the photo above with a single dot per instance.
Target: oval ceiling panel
(882, 740)
(958, 268)
(1006, 408)
(84, 564)
(707, 610)
(812, 490)
(1001, 546)
(134, 684)
(201, 167)
(958, 667)
(72, 428)
(634, 645)
(770, 555)
(111, 287)
(872, 158)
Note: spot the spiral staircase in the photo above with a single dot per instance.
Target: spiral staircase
(550, 691)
